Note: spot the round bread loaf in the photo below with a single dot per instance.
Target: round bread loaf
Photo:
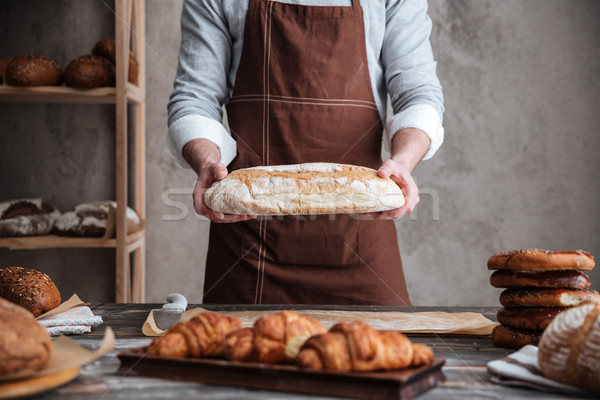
(540, 279)
(26, 217)
(93, 219)
(3, 63)
(542, 260)
(107, 48)
(89, 71)
(569, 350)
(304, 189)
(535, 318)
(511, 338)
(30, 289)
(24, 343)
(546, 297)
(32, 70)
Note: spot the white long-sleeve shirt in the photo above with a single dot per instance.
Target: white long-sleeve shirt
(399, 57)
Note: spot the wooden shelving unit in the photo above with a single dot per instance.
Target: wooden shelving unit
(129, 36)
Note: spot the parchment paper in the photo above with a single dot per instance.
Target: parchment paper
(74, 301)
(464, 323)
(67, 354)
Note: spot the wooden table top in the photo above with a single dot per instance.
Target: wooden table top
(465, 367)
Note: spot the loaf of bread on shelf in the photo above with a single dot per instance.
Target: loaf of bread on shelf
(304, 189)
(569, 350)
(107, 48)
(201, 336)
(274, 338)
(26, 217)
(30, 289)
(356, 346)
(94, 219)
(24, 343)
(89, 71)
(3, 63)
(33, 70)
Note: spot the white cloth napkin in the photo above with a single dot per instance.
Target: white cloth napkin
(74, 321)
(522, 369)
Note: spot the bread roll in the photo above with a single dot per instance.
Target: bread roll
(89, 71)
(32, 70)
(3, 63)
(512, 338)
(24, 343)
(535, 318)
(569, 350)
(26, 217)
(107, 48)
(31, 289)
(540, 279)
(541, 260)
(297, 189)
(546, 297)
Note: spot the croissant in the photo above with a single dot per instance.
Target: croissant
(274, 338)
(201, 336)
(356, 346)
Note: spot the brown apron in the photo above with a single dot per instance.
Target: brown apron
(303, 94)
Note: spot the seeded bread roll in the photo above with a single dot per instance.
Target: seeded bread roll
(569, 350)
(26, 217)
(3, 63)
(534, 318)
(89, 71)
(107, 48)
(546, 297)
(304, 189)
(30, 289)
(540, 279)
(542, 260)
(32, 70)
(24, 343)
(511, 338)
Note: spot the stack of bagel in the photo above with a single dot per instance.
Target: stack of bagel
(538, 285)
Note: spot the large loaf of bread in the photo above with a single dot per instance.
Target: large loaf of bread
(304, 189)
(569, 350)
(24, 343)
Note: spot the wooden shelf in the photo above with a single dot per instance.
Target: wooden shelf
(132, 242)
(66, 94)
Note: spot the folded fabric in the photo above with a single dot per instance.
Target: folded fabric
(522, 369)
(75, 320)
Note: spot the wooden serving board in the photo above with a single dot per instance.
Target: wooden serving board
(32, 386)
(386, 385)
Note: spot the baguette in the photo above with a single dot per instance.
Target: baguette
(304, 189)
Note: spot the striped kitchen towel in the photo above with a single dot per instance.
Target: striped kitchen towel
(522, 369)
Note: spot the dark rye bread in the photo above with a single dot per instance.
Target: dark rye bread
(540, 279)
(30, 289)
(89, 71)
(32, 70)
(107, 48)
(26, 217)
(24, 343)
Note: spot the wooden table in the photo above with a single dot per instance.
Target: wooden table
(465, 368)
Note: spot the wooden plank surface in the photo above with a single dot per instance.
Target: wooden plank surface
(65, 94)
(464, 369)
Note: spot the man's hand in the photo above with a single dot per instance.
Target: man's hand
(203, 156)
(408, 148)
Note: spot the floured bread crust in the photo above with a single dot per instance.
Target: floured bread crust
(304, 189)
(26, 217)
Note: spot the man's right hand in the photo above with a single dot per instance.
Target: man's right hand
(203, 156)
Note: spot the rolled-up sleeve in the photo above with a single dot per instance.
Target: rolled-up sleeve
(410, 73)
(201, 86)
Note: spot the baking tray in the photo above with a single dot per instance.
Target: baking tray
(402, 384)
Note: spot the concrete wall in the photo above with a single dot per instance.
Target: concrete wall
(518, 168)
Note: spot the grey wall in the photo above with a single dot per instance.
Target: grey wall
(518, 168)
